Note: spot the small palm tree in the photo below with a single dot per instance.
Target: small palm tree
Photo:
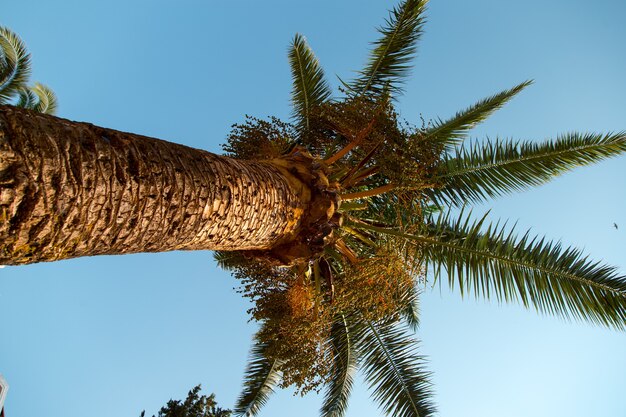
(403, 217)
(14, 74)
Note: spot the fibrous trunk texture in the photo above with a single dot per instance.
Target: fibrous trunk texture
(70, 189)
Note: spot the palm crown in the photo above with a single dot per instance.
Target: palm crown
(14, 74)
(403, 219)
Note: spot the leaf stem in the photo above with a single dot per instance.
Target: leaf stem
(368, 193)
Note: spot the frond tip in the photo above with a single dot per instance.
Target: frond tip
(39, 98)
(259, 381)
(491, 261)
(389, 61)
(14, 74)
(451, 132)
(14, 65)
(344, 369)
(481, 171)
(310, 88)
(394, 370)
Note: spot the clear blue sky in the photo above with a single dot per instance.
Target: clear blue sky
(110, 336)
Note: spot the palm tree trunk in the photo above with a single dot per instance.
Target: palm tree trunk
(70, 189)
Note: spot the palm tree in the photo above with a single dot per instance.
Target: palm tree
(402, 216)
(305, 213)
(14, 74)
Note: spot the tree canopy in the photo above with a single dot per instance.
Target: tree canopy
(195, 405)
(404, 219)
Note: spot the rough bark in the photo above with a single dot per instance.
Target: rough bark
(70, 189)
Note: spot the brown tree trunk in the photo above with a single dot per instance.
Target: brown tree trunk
(70, 189)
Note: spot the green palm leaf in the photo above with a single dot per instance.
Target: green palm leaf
(259, 381)
(229, 260)
(410, 310)
(452, 131)
(309, 85)
(14, 65)
(47, 99)
(39, 98)
(551, 278)
(393, 369)
(345, 366)
(388, 64)
(486, 170)
(27, 98)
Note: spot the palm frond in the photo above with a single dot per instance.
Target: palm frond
(39, 98)
(410, 309)
(393, 369)
(538, 273)
(487, 170)
(451, 132)
(259, 381)
(27, 99)
(388, 63)
(345, 365)
(229, 260)
(14, 65)
(309, 85)
(47, 100)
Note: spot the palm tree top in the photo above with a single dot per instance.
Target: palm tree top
(15, 71)
(402, 219)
